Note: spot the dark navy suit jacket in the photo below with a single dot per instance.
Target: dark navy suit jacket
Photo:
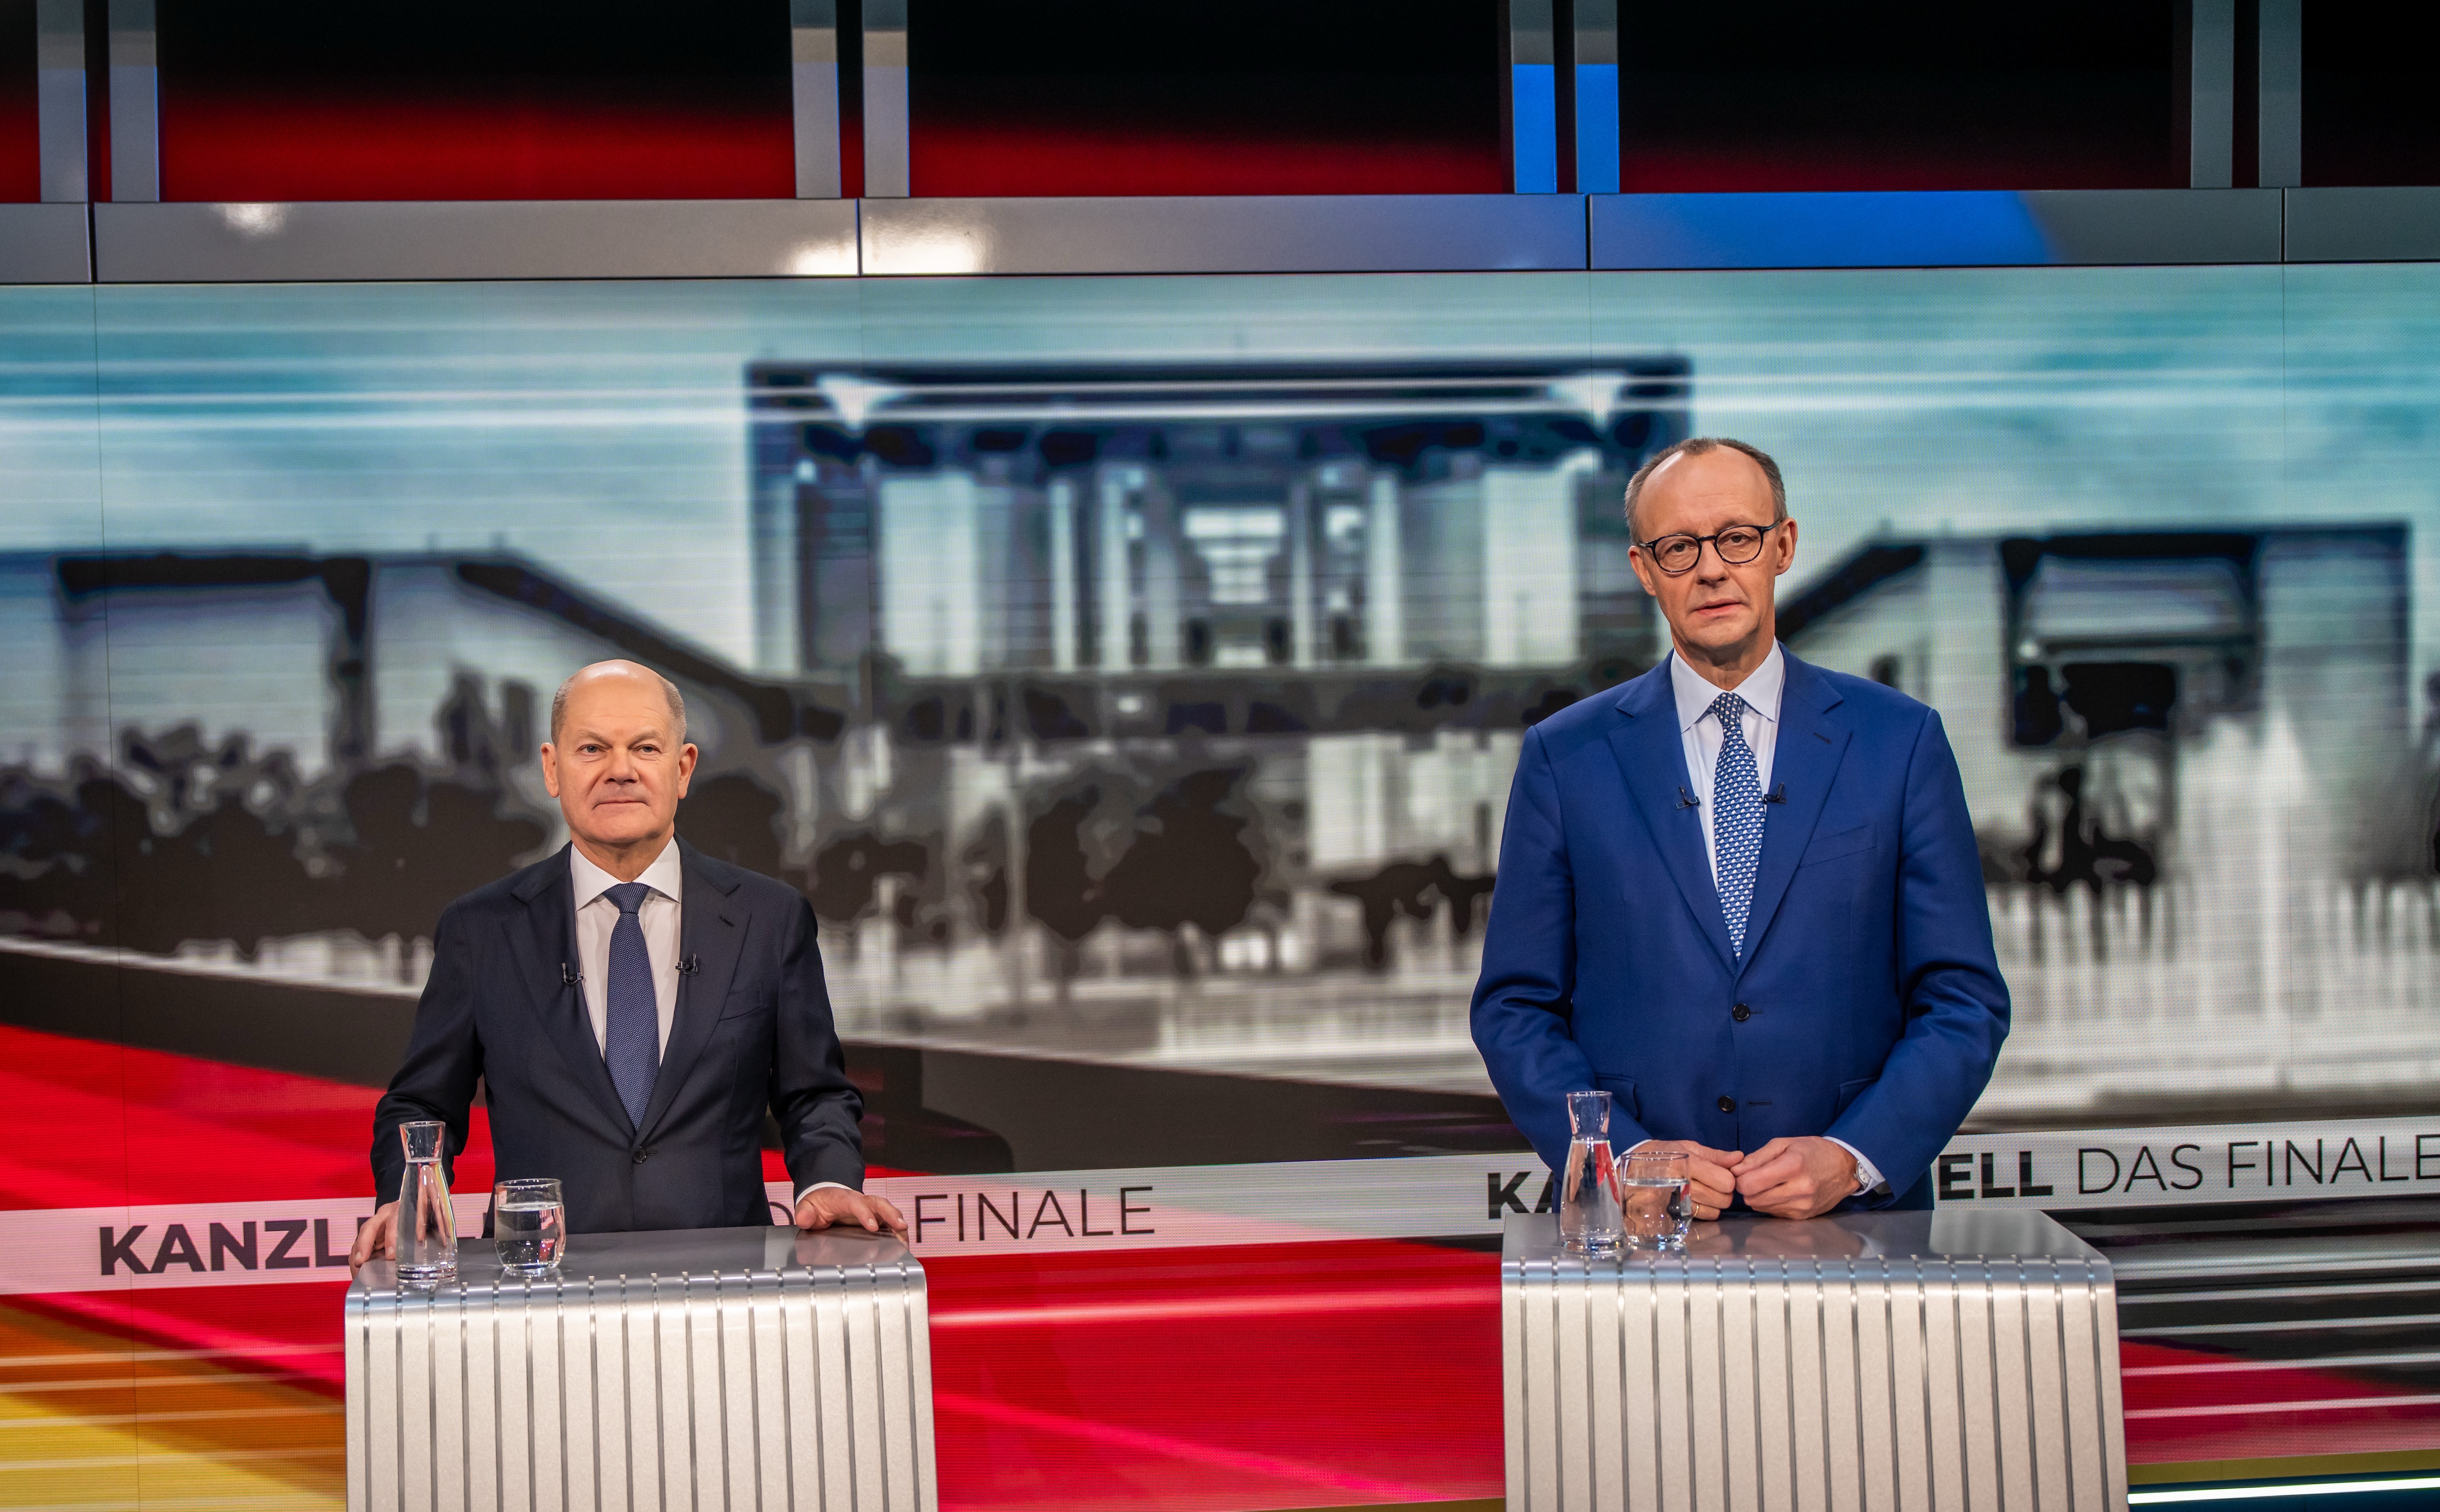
(752, 1031)
(1868, 1005)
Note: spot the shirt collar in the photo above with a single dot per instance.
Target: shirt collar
(1760, 690)
(663, 876)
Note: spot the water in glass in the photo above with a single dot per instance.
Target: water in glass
(426, 1238)
(1656, 1205)
(529, 1225)
(1589, 1195)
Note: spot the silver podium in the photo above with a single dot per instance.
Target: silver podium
(1887, 1360)
(715, 1368)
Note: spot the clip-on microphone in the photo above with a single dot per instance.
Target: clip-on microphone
(1685, 799)
(688, 964)
(1778, 794)
(568, 975)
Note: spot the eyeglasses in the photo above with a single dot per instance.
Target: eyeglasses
(1737, 546)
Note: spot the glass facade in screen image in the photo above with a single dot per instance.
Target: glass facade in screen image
(1206, 681)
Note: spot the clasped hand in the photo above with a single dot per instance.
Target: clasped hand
(1799, 1178)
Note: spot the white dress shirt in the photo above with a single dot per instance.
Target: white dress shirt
(659, 915)
(1701, 729)
(597, 916)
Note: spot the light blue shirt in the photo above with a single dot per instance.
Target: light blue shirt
(1702, 732)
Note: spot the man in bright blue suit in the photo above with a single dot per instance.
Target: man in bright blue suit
(1741, 892)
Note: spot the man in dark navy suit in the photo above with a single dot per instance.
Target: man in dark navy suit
(632, 1006)
(1742, 893)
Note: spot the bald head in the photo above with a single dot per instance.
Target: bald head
(620, 676)
(619, 762)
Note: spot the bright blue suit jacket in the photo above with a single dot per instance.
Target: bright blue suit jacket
(1874, 1008)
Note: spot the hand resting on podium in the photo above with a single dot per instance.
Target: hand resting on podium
(1801, 1178)
(1784, 1179)
(377, 1239)
(827, 1207)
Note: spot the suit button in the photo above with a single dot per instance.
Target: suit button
(1728, 1105)
(1741, 1013)
(642, 1156)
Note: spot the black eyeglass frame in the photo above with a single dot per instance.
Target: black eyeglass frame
(1711, 540)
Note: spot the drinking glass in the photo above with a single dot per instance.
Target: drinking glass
(1657, 1204)
(529, 1225)
(426, 1236)
(1589, 1195)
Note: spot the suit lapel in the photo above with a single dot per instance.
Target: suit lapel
(1651, 752)
(541, 941)
(1804, 761)
(711, 933)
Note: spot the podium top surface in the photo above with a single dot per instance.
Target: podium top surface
(1860, 1239)
(676, 1254)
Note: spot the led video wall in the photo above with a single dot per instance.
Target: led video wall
(1130, 673)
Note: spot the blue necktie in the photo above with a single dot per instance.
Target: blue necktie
(1736, 817)
(631, 1042)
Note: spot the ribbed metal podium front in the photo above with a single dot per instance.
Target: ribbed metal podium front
(745, 1368)
(1888, 1360)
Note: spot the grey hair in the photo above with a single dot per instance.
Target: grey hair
(1696, 446)
(669, 691)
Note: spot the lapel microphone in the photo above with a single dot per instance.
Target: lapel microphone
(1778, 794)
(568, 975)
(688, 964)
(1685, 799)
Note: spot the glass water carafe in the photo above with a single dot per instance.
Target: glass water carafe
(427, 1230)
(1589, 1219)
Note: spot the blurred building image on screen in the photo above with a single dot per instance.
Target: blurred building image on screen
(1250, 651)
(2206, 822)
(1165, 716)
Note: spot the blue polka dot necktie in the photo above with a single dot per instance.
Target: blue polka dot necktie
(630, 1041)
(1736, 817)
